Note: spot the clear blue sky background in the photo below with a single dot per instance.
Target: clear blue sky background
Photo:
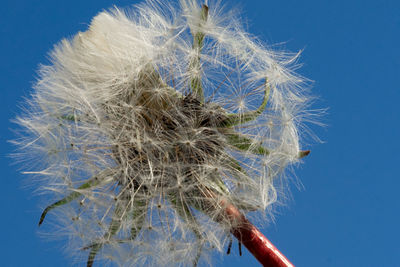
(348, 212)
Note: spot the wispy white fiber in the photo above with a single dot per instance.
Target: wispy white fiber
(141, 127)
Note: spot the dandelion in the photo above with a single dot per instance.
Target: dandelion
(157, 129)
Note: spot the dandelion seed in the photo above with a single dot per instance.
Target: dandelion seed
(157, 129)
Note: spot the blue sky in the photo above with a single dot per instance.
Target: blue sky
(347, 211)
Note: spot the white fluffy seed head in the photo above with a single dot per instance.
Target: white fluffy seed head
(115, 109)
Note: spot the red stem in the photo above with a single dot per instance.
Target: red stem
(264, 251)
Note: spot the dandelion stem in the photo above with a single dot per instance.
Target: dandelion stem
(247, 234)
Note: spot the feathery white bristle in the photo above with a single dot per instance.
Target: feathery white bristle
(115, 103)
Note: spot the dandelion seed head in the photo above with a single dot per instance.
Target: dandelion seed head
(139, 119)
